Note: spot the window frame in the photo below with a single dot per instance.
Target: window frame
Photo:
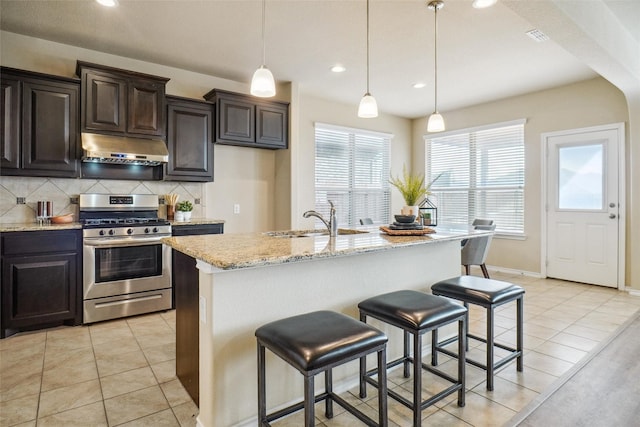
(473, 185)
(349, 216)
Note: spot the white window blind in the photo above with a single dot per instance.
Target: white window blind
(482, 175)
(352, 170)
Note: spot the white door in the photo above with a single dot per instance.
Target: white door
(583, 205)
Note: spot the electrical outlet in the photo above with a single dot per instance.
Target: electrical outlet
(236, 208)
(74, 200)
(161, 200)
(196, 201)
(21, 200)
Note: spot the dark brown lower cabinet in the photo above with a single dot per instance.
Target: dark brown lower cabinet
(41, 280)
(185, 277)
(186, 293)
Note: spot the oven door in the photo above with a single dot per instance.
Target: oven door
(114, 267)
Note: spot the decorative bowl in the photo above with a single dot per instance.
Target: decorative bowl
(62, 219)
(407, 219)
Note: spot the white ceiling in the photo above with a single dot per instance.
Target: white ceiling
(483, 54)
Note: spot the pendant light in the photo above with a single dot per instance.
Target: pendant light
(262, 83)
(368, 106)
(436, 122)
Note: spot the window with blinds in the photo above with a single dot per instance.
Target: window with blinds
(352, 170)
(482, 175)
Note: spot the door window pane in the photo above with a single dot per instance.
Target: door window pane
(580, 178)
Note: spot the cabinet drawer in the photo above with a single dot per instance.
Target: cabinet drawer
(31, 242)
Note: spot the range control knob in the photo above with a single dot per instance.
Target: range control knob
(155, 229)
(110, 232)
(129, 231)
(101, 232)
(146, 230)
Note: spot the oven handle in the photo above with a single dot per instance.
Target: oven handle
(127, 301)
(126, 241)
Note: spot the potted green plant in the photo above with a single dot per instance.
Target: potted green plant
(183, 211)
(412, 188)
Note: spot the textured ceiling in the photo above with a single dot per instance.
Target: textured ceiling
(483, 54)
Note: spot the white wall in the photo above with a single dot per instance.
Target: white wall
(588, 103)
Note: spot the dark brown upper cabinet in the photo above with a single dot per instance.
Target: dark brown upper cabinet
(249, 121)
(117, 102)
(10, 121)
(39, 124)
(189, 140)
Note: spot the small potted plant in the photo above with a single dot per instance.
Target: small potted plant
(412, 188)
(183, 211)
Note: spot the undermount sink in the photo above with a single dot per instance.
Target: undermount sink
(311, 233)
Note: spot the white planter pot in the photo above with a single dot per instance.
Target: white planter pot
(179, 216)
(410, 210)
(187, 216)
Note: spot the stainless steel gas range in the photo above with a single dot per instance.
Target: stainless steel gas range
(126, 269)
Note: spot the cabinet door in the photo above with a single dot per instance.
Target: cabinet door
(146, 108)
(272, 125)
(49, 128)
(235, 121)
(104, 100)
(38, 289)
(189, 141)
(10, 123)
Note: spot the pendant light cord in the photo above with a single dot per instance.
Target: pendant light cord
(264, 56)
(367, 47)
(435, 54)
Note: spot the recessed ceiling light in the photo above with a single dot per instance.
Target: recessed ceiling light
(108, 3)
(338, 68)
(419, 85)
(537, 35)
(481, 4)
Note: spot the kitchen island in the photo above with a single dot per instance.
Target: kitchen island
(246, 280)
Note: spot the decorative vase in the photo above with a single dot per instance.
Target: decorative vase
(410, 210)
(180, 216)
(187, 216)
(170, 212)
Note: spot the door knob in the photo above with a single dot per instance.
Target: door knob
(612, 205)
(612, 216)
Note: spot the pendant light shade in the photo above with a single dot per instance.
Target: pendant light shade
(436, 122)
(263, 83)
(368, 108)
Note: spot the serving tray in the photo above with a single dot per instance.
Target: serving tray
(390, 232)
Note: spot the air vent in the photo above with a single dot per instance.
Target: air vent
(537, 35)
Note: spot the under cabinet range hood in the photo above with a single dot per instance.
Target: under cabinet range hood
(100, 148)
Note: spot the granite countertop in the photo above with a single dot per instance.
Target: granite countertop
(244, 250)
(197, 221)
(33, 226)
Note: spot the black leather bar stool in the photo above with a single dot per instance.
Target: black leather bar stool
(487, 293)
(314, 343)
(415, 313)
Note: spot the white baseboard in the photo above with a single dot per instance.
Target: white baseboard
(633, 292)
(514, 271)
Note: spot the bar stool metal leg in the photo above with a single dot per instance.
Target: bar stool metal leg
(407, 364)
(519, 333)
(461, 362)
(382, 392)
(309, 401)
(262, 392)
(490, 351)
(328, 386)
(417, 380)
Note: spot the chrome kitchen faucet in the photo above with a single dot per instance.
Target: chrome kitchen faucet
(332, 225)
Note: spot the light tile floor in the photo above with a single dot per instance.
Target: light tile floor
(122, 373)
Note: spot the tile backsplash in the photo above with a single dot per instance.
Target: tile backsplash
(61, 190)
